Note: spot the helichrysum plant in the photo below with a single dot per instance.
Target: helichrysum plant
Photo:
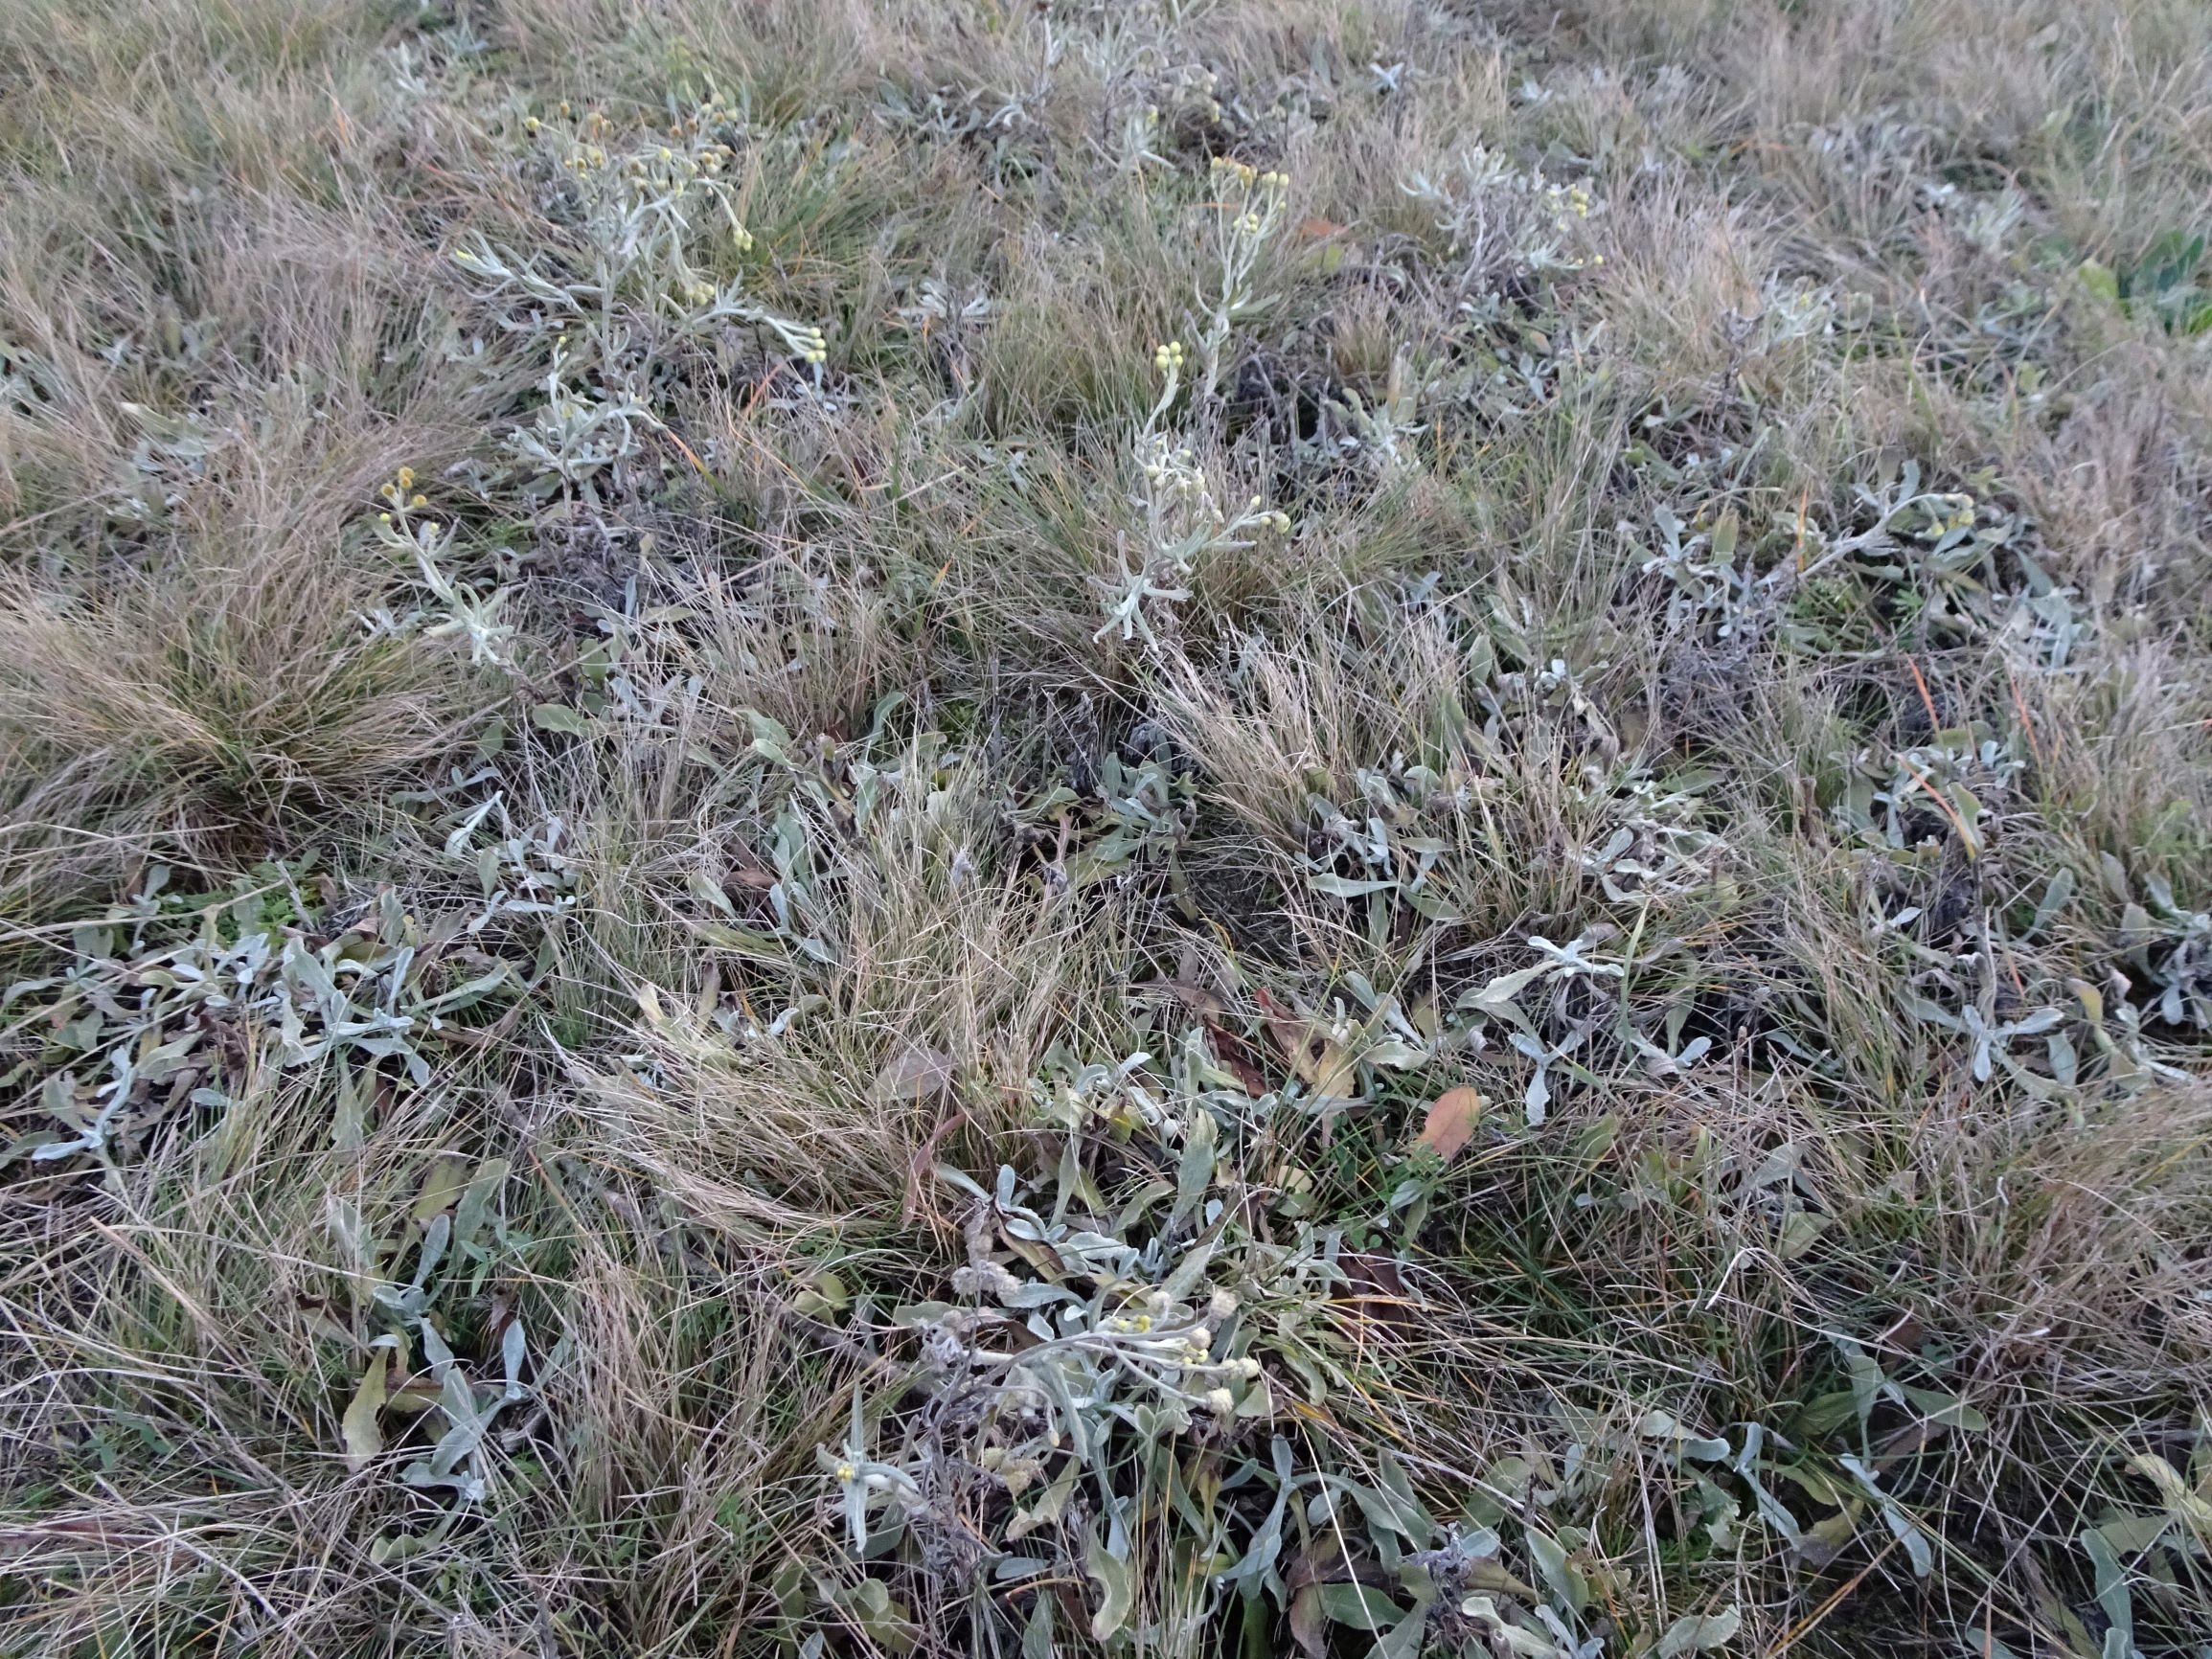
(651, 256)
(1247, 211)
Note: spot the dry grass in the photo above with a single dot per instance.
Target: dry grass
(595, 882)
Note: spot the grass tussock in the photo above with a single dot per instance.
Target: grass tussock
(1151, 829)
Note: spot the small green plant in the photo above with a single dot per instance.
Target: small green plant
(1183, 524)
(2165, 283)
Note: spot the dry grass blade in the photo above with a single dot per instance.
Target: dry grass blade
(837, 829)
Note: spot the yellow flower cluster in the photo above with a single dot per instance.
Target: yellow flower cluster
(589, 154)
(1567, 202)
(1242, 172)
(1262, 193)
(708, 115)
(1167, 359)
(401, 493)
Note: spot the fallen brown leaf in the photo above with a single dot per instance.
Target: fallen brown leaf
(1191, 995)
(1451, 1119)
(1292, 1036)
(1372, 1294)
(914, 1073)
(1330, 1071)
(1308, 1625)
(1233, 1056)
